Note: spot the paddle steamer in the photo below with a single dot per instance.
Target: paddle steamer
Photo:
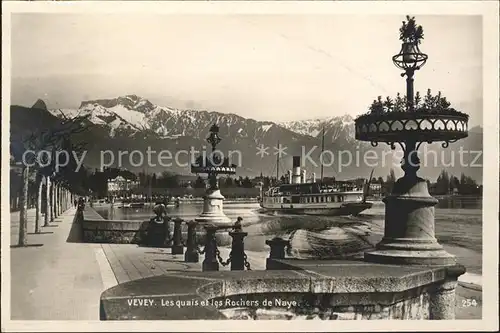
(314, 198)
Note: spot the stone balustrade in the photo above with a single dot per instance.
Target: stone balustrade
(302, 289)
(96, 229)
(289, 288)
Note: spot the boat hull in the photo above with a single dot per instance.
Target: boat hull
(341, 210)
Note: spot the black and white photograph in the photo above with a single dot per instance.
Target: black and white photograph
(278, 163)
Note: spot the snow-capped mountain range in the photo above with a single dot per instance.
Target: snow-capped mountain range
(134, 123)
(132, 114)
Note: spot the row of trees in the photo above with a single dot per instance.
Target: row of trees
(50, 181)
(447, 183)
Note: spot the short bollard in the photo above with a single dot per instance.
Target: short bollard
(237, 250)
(210, 263)
(177, 247)
(278, 246)
(191, 254)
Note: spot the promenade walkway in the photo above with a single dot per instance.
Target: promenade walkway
(58, 278)
(132, 262)
(53, 279)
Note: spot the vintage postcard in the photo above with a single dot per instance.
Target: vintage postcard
(250, 166)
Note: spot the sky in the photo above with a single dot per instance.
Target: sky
(264, 67)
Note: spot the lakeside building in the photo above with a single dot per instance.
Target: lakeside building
(121, 184)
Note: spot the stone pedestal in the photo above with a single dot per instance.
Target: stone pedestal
(210, 263)
(177, 247)
(238, 256)
(313, 289)
(212, 210)
(409, 228)
(442, 297)
(278, 247)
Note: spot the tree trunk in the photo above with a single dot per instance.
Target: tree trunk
(59, 200)
(52, 201)
(38, 207)
(61, 195)
(66, 199)
(47, 201)
(56, 201)
(23, 214)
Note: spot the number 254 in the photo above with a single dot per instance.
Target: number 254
(469, 302)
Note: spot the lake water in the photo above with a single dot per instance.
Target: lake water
(458, 223)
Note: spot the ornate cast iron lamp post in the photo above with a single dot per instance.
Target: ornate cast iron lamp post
(409, 219)
(213, 165)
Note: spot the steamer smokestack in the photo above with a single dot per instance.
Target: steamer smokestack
(289, 176)
(296, 170)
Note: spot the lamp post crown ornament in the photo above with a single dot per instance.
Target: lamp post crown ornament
(213, 165)
(410, 121)
(214, 138)
(411, 118)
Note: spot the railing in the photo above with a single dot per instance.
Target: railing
(189, 247)
(237, 257)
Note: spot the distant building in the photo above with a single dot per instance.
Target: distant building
(120, 184)
(185, 180)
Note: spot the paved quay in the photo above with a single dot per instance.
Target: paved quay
(131, 262)
(54, 278)
(63, 279)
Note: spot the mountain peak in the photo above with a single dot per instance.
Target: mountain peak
(130, 102)
(315, 126)
(39, 104)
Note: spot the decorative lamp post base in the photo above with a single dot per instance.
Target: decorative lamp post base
(409, 228)
(212, 210)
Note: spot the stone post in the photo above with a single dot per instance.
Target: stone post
(442, 298)
(177, 247)
(278, 246)
(210, 263)
(191, 254)
(238, 247)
